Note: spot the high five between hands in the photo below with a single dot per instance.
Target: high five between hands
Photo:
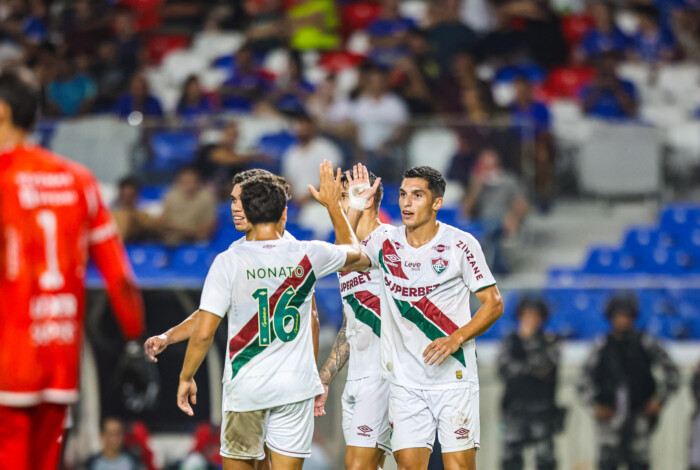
(330, 189)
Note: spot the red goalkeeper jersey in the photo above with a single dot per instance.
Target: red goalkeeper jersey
(51, 219)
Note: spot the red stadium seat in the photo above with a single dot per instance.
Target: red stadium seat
(334, 62)
(565, 82)
(146, 13)
(159, 45)
(574, 27)
(359, 15)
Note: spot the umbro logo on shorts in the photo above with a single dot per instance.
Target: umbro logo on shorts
(364, 430)
(462, 433)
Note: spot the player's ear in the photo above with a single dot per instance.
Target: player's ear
(370, 203)
(437, 203)
(283, 219)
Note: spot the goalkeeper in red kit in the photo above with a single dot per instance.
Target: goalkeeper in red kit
(51, 220)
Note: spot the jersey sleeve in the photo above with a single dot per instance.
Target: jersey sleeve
(108, 252)
(325, 258)
(371, 247)
(475, 272)
(216, 293)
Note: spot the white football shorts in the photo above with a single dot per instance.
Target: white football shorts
(366, 413)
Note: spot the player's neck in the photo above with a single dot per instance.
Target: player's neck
(420, 235)
(368, 224)
(261, 232)
(11, 137)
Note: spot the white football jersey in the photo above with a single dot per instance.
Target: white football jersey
(265, 287)
(286, 236)
(361, 306)
(425, 297)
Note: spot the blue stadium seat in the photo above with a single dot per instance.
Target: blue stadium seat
(224, 215)
(300, 233)
(670, 262)
(532, 72)
(236, 103)
(148, 260)
(609, 260)
(274, 146)
(223, 238)
(153, 192)
(680, 218)
(171, 150)
(330, 306)
(642, 238)
(192, 261)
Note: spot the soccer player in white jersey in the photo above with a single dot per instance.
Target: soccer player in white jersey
(366, 395)
(427, 337)
(181, 332)
(264, 287)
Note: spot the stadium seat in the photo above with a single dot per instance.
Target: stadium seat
(678, 79)
(192, 261)
(274, 146)
(566, 82)
(153, 192)
(159, 45)
(359, 15)
(213, 44)
(300, 233)
(417, 10)
(224, 236)
(574, 27)
(680, 219)
(252, 129)
(337, 61)
(641, 239)
(276, 61)
(503, 93)
(664, 116)
(608, 260)
(148, 261)
(434, 147)
(172, 150)
(532, 72)
(667, 261)
(180, 64)
(359, 43)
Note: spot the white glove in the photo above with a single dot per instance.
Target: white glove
(356, 201)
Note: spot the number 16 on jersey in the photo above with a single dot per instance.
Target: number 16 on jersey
(283, 315)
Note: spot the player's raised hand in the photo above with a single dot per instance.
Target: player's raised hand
(186, 393)
(359, 188)
(320, 402)
(330, 189)
(441, 349)
(154, 346)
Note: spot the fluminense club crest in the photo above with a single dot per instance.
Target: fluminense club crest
(439, 265)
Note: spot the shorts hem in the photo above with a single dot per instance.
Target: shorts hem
(473, 445)
(228, 455)
(369, 445)
(412, 446)
(384, 447)
(288, 453)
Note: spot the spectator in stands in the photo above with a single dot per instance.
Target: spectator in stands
(220, 161)
(462, 163)
(72, 91)
(301, 161)
(313, 25)
(189, 210)
(193, 102)
(267, 25)
(686, 30)
(138, 99)
(618, 383)
(113, 455)
(388, 34)
(535, 117)
(130, 49)
(247, 83)
(605, 36)
(413, 75)
(694, 459)
(85, 24)
(291, 89)
(133, 224)
(495, 198)
(609, 96)
(328, 109)
(460, 76)
(110, 75)
(379, 116)
(24, 22)
(651, 44)
(528, 362)
(447, 34)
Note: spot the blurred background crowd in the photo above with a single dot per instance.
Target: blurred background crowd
(568, 130)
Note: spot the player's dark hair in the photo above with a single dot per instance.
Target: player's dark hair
(20, 89)
(263, 199)
(436, 182)
(246, 175)
(372, 178)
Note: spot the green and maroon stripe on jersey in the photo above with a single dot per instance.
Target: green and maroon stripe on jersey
(245, 345)
(366, 307)
(390, 260)
(431, 321)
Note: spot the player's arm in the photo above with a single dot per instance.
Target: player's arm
(329, 196)
(315, 326)
(197, 348)
(338, 358)
(491, 310)
(181, 332)
(108, 252)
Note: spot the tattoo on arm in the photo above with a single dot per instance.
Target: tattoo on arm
(338, 357)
